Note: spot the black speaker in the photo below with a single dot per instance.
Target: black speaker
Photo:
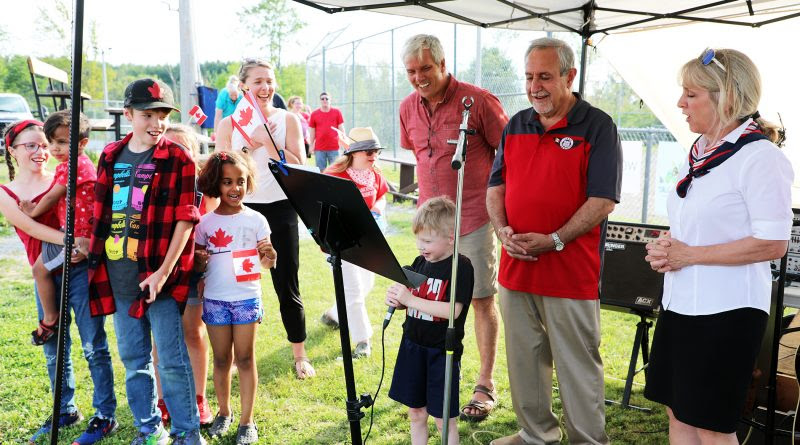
(627, 283)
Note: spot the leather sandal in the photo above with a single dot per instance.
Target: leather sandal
(482, 407)
(47, 331)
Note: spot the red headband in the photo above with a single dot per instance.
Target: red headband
(12, 133)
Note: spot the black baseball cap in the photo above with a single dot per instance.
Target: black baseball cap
(149, 94)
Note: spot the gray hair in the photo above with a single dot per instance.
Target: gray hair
(566, 58)
(233, 84)
(419, 42)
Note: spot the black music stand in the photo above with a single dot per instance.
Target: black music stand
(339, 221)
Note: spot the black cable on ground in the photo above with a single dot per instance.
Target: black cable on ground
(380, 383)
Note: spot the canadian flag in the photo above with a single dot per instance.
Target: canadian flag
(198, 115)
(246, 265)
(245, 119)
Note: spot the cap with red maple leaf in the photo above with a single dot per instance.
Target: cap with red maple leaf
(148, 94)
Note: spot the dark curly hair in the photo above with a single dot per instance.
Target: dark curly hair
(211, 174)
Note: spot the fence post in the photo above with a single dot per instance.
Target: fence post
(324, 68)
(353, 95)
(649, 142)
(394, 110)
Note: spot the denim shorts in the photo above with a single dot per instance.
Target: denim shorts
(220, 313)
(192, 299)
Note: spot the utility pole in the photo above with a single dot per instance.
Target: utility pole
(105, 77)
(188, 85)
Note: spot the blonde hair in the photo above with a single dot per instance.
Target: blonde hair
(186, 137)
(735, 91)
(437, 215)
(345, 161)
(249, 64)
(292, 100)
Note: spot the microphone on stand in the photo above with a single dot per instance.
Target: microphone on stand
(390, 309)
(460, 143)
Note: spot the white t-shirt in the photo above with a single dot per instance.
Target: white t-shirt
(234, 269)
(267, 188)
(747, 195)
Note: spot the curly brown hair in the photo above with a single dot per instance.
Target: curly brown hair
(211, 174)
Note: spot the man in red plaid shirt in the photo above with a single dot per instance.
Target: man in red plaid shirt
(141, 257)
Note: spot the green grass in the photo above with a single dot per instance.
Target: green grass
(290, 411)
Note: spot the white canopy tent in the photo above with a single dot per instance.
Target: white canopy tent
(676, 31)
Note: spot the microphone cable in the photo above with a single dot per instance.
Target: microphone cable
(380, 383)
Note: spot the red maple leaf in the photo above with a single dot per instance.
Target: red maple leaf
(220, 238)
(155, 91)
(245, 116)
(247, 265)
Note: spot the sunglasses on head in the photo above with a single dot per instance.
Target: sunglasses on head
(708, 56)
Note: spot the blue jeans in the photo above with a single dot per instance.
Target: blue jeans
(95, 348)
(325, 158)
(163, 319)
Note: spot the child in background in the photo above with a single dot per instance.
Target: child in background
(419, 372)
(141, 257)
(358, 165)
(194, 331)
(56, 130)
(236, 239)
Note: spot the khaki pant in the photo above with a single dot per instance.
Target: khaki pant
(541, 331)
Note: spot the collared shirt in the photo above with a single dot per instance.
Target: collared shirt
(747, 195)
(169, 199)
(427, 133)
(548, 175)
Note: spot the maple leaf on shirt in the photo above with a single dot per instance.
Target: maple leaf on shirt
(220, 239)
(155, 91)
(245, 116)
(247, 265)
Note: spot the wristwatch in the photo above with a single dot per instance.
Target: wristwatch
(557, 241)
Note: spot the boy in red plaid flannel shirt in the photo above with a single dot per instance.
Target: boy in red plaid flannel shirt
(140, 259)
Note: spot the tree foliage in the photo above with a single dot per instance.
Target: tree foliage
(272, 22)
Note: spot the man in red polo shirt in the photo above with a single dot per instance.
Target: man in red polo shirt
(556, 177)
(430, 116)
(323, 140)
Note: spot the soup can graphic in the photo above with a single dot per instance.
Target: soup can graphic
(134, 233)
(115, 240)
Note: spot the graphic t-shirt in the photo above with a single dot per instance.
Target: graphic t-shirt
(84, 195)
(234, 269)
(425, 329)
(133, 173)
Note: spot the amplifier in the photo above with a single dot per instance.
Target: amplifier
(627, 283)
(793, 258)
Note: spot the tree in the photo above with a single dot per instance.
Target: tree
(292, 80)
(273, 21)
(617, 98)
(55, 22)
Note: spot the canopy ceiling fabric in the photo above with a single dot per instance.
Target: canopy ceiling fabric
(604, 16)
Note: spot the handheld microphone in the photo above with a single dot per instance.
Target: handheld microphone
(390, 310)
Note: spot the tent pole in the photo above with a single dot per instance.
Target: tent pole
(582, 78)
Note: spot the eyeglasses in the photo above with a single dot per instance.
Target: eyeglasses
(324, 98)
(32, 147)
(708, 56)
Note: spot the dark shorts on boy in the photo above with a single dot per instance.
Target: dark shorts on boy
(418, 379)
(52, 255)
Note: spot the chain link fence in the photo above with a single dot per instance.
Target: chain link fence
(366, 80)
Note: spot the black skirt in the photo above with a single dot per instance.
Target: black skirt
(701, 366)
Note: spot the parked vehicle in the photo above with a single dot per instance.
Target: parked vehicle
(13, 107)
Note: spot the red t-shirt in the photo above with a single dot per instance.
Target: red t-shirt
(325, 137)
(33, 246)
(84, 195)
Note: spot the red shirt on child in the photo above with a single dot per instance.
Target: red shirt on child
(84, 195)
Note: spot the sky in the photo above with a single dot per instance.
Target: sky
(147, 31)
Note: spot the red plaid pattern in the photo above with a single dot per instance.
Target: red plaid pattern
(169, 199)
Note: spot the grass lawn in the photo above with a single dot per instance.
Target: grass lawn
(290, 411)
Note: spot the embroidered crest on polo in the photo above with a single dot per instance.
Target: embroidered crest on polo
(565, 143)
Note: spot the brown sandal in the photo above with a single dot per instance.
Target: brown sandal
(483, 407)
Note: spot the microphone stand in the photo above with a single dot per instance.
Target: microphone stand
(459, 159)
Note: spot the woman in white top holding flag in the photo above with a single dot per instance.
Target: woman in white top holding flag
(244, 130)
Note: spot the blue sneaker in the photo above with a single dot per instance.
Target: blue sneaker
(157, 437)
(99, 428)
(64, 420)
(190, 438)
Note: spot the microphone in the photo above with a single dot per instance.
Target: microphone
(390, 309)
